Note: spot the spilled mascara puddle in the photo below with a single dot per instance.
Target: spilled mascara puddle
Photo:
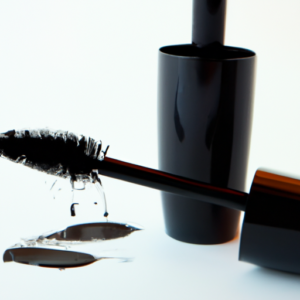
(48, 258)
(32, 254)
(91, 232)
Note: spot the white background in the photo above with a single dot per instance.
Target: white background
(91, 67)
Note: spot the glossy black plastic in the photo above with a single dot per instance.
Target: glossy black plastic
(208, 22)
(205, 101)
(171, 183)
(271, 229)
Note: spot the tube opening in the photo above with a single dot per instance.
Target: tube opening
(214, 52)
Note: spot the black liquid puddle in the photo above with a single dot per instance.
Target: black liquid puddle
(63, 259)
(48, 258)
(92, 232)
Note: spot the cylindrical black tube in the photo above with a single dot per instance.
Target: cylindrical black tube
(208, 22)
(205, 100)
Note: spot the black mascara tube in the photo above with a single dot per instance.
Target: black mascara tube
(205, 104)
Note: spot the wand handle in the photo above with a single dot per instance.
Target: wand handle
(173, 184)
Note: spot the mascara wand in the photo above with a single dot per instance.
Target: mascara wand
(271, 228)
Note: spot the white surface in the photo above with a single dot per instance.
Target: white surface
(91, 67)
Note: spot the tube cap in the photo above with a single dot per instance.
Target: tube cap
(271, 229)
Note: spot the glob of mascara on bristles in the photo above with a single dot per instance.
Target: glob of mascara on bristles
(57, 153)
